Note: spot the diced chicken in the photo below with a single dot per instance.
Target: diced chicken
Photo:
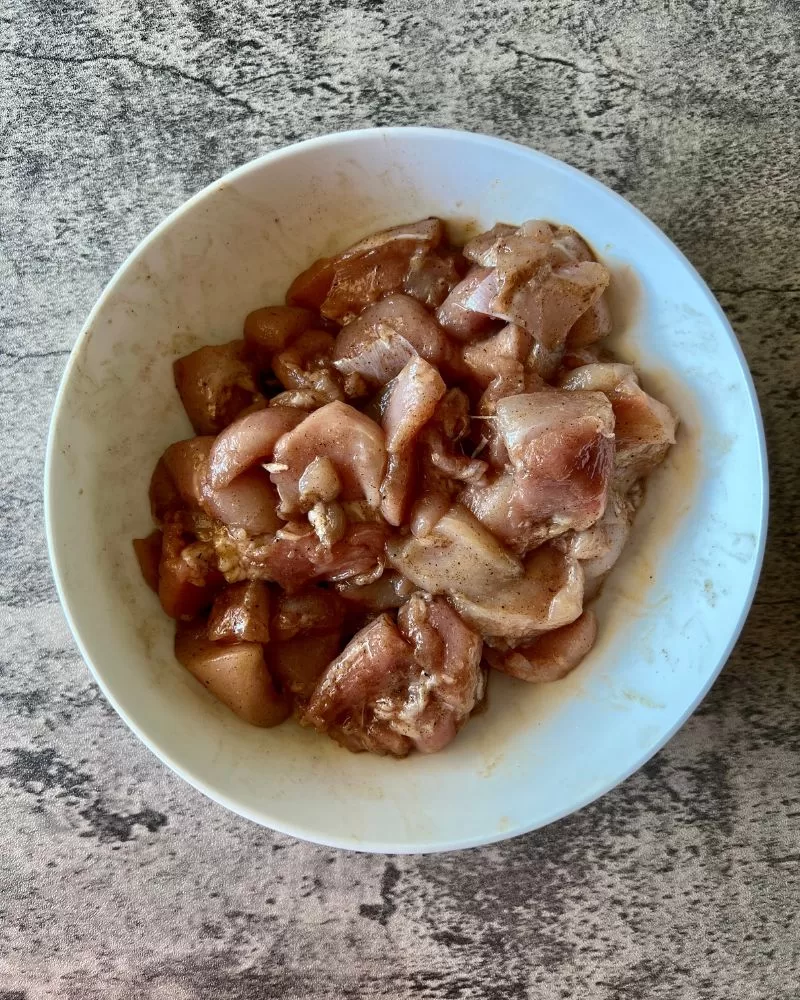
(215, 384)
(548, 595)
(391, 591)
(269, 330)
(499, 504)
(241, 613)
(546, 301)
(235, 673)
(188, 579)
(568, 242)
(644, 428)
(386, 336)
(592, 326)
(186, 463)
(481, 249)
(165, 499)
(341, 287)
(411, 402)
(250, 502)
(389, 694)
(432, 275)
(451, 681)
(148, 555)
(248, 441)
(500, 356)
(434, 500)
(552, 655)
(465, 313)
(398, 486)
(306, 366)
(457, 555)
(299, 663)
(296, 556)
(599, 546)
(312, 611)
(577, 357)
(354, 444)
(562, 452)
(310, 287)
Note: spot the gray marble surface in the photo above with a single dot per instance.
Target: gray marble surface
(119, 881)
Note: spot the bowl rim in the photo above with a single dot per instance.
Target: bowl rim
(197, 781)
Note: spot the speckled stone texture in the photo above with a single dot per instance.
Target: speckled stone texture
(119, 881)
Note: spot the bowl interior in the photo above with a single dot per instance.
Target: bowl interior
(668, 615)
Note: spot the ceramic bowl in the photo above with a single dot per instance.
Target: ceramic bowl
(669, 614)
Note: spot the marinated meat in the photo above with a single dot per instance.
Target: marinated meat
(386, 336)
(394, 689)
(424, 465)
(552, 655)
(354, 444)
(215, 384)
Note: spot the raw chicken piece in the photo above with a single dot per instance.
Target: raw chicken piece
(186, 464)
(374, 664)
(389, 694)
(235, 673)
(548, 595)
(354, 444)
(215, 384)
(540, 277)
(644, 428)
(391, 591)
(411, 402)
(248, 441)
(386, 336)
(434, 500)
(599, 546)
(465, 313)
(481, 249)
(148, 555)
(250, 502)
(309, 612)
(561, 448)
(451, 681)
(306, 365)
(311, 286)
(550, 657)
(241, 613)
(577, 357)
(299, 663)
(341, 287)
(188, 579)
(500, 356)
(432, 275)
(296, 556)
(592, 326)
(269, 330)
(398, 486)
(499, 504)
(545, 300)
(457, 555)
(165, 500)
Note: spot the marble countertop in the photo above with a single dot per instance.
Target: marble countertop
(117, 880)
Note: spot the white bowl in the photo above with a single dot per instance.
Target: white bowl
(669, 615)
